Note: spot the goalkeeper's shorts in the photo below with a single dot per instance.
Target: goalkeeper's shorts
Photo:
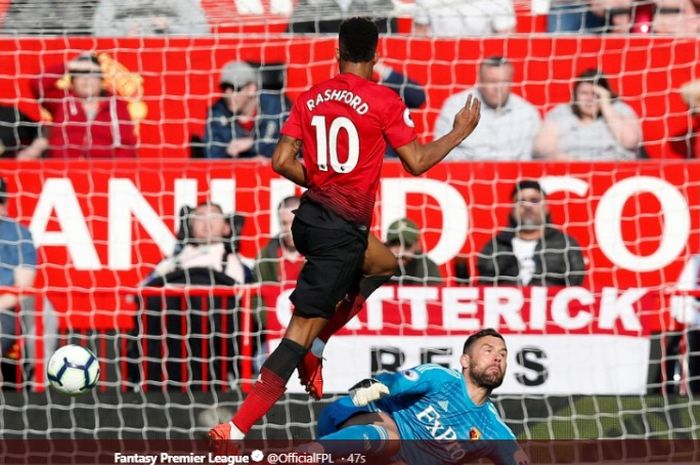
(335, 414)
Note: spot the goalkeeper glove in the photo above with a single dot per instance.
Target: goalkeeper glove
(366, 391)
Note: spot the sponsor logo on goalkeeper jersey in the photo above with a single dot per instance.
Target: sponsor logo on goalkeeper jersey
(430, 418)
(335, 95)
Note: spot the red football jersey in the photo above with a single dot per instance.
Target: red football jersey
(344, 125)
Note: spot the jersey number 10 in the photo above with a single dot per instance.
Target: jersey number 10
(327, 143)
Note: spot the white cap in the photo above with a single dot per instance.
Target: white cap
(238, 74)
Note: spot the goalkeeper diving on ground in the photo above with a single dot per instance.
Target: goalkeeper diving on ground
(428, 414)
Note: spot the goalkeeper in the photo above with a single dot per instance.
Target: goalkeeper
(440, 415)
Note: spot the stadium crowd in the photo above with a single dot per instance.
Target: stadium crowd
(428, 17)
(87, 115)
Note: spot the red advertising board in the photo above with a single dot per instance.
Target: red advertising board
(104, 225)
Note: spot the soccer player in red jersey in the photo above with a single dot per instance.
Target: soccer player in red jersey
(341, 127)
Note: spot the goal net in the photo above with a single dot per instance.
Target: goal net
(611, 352)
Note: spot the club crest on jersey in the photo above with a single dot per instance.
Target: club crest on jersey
(474, 434)
(407, 119)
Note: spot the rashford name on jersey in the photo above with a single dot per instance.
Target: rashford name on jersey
(344, 96)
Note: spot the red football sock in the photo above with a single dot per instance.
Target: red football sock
(266, 391)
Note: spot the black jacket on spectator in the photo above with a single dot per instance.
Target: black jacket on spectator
(421, 271)
(558, 260)
(17, 131)
(188, 340)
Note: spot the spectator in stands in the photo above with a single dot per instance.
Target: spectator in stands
(597, 125)
(18, 261)
(403, 239)
(598, 16)
(687, 144)
(572, 16)
(530, 251)
(20, 137)
(149, 17)
(458, 18)
(646, 16)
(676, 17)
(594, 16)
(686, 310)
(49, 17)
(325, 16)
(411, 92)
(508, 124)
(194, 335)
(87, 121)
(244, 122)
(279, 261)
(207, 243)
(623, 16)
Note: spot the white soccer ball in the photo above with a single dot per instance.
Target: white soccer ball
(73, 370)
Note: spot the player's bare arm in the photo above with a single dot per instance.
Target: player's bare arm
(285, 161)
(419, 158)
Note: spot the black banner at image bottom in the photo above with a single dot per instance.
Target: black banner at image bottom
(276, 452)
